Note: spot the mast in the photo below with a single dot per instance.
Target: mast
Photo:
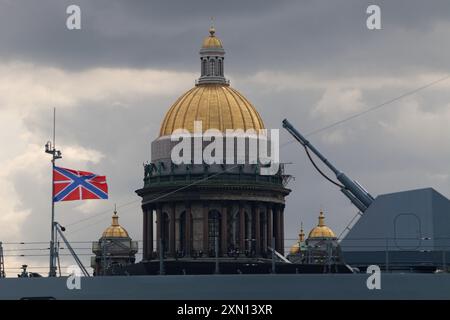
(56, 154)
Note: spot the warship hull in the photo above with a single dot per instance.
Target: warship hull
(231, 287)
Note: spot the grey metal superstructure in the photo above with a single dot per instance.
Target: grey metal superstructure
(401, 230)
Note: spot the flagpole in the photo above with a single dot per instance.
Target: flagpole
(56, 154)
(52, 271)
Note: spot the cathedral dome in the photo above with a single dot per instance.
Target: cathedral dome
(321, 231)
(212, 100)
(297, 247)
(115, 230)
(212, 41)
(217, 106)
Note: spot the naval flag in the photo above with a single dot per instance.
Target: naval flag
(78, 185)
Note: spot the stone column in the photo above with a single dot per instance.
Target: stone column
(205, 229)
(257, 230)
(145, 234)
(269, 226)
(224, 231)
(147, 249)
(241, 228)
(150, 233)
(278, 228)
(158, 228)
(188, 229)
(172, 231)
(264, 235)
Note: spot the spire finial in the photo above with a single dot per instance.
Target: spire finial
(115, 217)
(301, 236)
(321, 219)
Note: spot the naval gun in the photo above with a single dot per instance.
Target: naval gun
(350, 188)
(405, 230)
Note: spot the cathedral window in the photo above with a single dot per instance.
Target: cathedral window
(213, 231)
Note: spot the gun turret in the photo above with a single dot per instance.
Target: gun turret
(350, 188)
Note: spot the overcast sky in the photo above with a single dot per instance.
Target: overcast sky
(313, 62)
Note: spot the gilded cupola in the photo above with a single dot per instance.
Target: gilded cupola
(115, 230)
(212, 100)
(296, 247)
(321, 230)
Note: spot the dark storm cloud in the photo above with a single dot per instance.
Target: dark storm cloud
(115, 33)
(319, 36)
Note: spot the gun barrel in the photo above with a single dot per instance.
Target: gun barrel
(300, 138)
(353, 190)
(361, 206)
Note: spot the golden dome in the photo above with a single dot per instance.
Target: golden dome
(321, 231)
(212, 41)
(115, 230)
(218, 106)
(295, 249)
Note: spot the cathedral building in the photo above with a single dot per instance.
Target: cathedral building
(115, 248)
(320, 248)
(199, 210)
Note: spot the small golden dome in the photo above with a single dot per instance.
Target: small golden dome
(218, 106)
(212, 41)
(321, 231)
(296, 247)
(115, 230)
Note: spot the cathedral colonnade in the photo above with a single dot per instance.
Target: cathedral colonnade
(190, 229)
